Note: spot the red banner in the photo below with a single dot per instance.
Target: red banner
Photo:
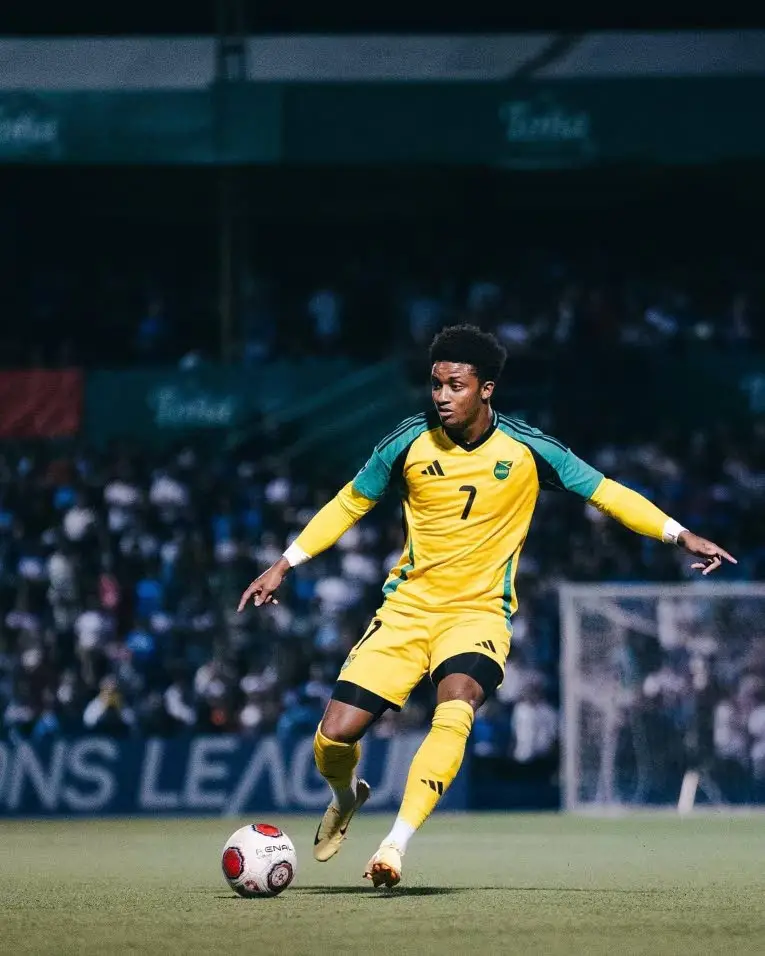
(40, 403)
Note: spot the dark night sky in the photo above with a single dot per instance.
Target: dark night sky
(344, 16)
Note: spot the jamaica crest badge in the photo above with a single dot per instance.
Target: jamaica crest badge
(502, 470)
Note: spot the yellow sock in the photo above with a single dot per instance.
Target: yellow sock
(437, 761)
(336, 762)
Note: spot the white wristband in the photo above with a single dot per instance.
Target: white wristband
(672, 531)
(296, 556)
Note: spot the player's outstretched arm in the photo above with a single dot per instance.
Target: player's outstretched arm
(641, 515)
(323, 530)
(264, 587)
(336, 517)
(560, 469)
(712, 553)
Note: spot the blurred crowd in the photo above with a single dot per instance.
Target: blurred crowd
(120, 572)
(319, 289)
(120, 575)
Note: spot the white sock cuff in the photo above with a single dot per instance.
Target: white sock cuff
(401, 833)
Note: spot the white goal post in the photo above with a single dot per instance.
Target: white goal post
(663, 690)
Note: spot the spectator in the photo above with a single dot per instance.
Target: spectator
(535, 725)
(107, 713)
(179, 703)
(79, 520)
(92, 627)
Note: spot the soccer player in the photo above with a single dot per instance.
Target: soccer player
(468, 478)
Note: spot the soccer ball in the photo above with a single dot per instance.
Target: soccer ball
(259, 860)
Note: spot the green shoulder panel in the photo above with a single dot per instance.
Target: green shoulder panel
(559, 469)
(375, 476)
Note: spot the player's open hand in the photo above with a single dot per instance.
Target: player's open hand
(712, 553)
(263, 588)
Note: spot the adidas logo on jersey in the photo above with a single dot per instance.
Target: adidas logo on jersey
(489, 645)
(433, 469)
(436, 785)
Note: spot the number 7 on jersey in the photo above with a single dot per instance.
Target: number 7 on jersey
(471, 493)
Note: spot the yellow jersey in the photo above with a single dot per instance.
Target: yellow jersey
(467, 508)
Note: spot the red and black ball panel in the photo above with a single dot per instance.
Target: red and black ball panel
(280, 876)
(233, 862)
(267, 830)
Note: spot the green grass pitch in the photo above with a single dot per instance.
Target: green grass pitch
(472, 884)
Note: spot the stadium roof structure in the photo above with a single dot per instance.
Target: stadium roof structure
(93, 63)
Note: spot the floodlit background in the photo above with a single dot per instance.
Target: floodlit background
(228, 232)
(224, 249)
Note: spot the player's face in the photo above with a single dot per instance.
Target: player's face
(458, 395)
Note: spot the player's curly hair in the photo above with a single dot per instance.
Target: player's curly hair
(469, 345)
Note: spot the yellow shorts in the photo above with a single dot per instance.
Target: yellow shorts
(400, 647)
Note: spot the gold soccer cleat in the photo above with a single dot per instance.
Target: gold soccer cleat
(334, 825)
(384, 869)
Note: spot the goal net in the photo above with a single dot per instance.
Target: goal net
(664, 695)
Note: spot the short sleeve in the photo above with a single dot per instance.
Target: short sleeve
(374, 478)
(573, 473)
(558, 468)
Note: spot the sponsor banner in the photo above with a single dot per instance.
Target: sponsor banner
(224, 774)
(213, 401)
(531, 124)
(40, 403)
(235, 123)
(523, 124)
